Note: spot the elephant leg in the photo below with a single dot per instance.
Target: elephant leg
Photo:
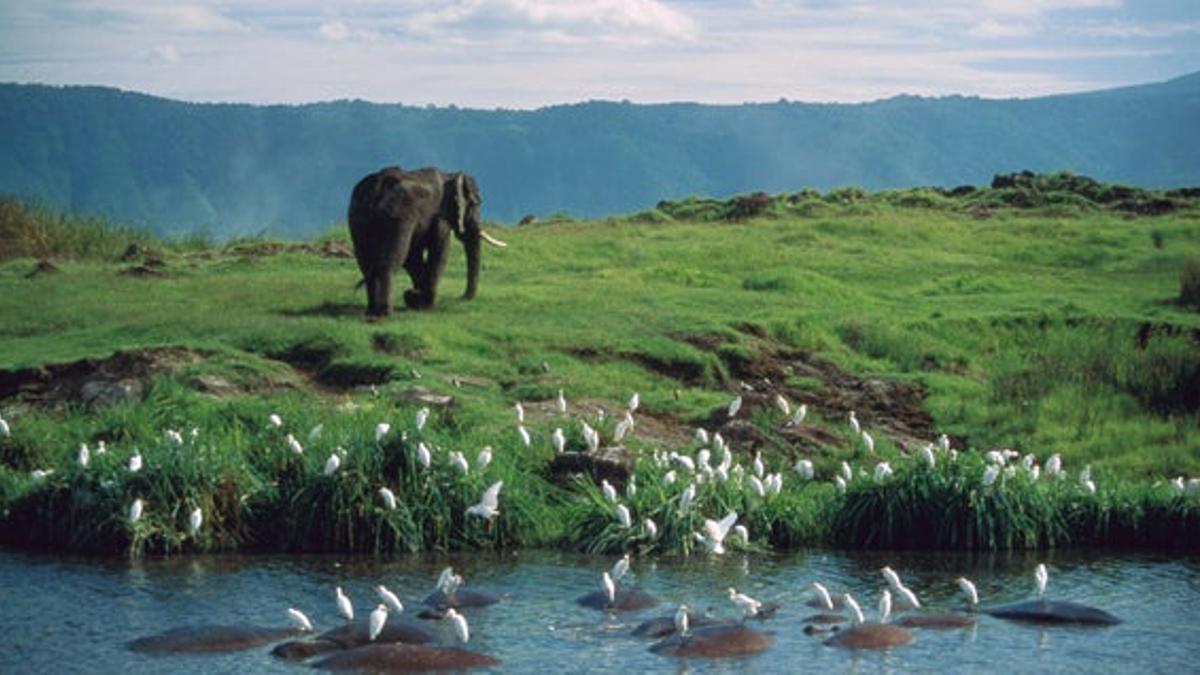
(418, 271)
(435, 264)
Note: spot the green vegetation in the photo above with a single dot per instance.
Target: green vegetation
(1045, 328)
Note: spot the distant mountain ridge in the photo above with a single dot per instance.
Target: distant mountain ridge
(230, 169)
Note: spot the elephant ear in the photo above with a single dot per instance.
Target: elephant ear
(460, 204)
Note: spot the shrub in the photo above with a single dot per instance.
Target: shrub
(1189, 283)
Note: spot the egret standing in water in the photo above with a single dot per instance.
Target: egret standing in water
(343, 604)
(747, 604)
(715, 533)
(885, 606)
(850, 602)
(620, 568)
(610, 588)
(823, 595)
(1041, 576)
(968, 588)
(378, 618)
(681, 622)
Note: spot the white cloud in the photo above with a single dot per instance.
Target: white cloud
(334, 30)
(555, 21)
(991, 28)
(167, 53)
(1155, 29)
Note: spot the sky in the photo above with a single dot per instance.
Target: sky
(532, 53)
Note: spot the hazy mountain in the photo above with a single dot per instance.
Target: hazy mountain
(229, 169)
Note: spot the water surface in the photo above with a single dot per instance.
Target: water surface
(78, 614)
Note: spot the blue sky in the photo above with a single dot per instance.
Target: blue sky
(530, 53)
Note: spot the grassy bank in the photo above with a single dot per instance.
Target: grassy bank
(1051, 328)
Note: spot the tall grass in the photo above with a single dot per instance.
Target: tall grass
(36, 231)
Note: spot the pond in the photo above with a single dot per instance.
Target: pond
(79, 614)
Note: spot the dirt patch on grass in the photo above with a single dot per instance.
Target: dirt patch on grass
(94, 382)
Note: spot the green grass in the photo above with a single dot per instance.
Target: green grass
(1045, 333)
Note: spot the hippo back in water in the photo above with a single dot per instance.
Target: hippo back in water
(715, 642)
(211, 638)
(1054, 611)
(398, 658)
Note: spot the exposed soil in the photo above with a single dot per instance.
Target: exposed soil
(94, 382)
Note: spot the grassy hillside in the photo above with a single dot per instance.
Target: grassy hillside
(1049, 330)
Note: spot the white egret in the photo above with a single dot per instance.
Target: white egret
(84, 455)
(489, 506)
(1042, 577)
(823, 595)
(882, 471)
(927, 456)
(624, 517)
(561, 402)
(621, 429)
(686, 462)
(40, 474)
(591, 437)
(686, 497)
(300, 619)
(868, 441)
(389, 598)
(670, 476)
(520, 410)
(174, 437)
(990, 474)
(718, 441)
(524, 434)
(195, 520)
(424, 456)
(969, 589)
(701, 436)
(135, 463)
(885, 606)
(610, 492)
(610, 588)
(944, 443)
(294, 445)
(757, 485)
(715, 533)
(135, 511)
(378, 618)
(742, 533)
(101, 448)
(681, 621)
(631, 486)
(849, 601)
(774, 483)
(620, 568)
(421, 418)
(634, 401)
(275, 420)
(747, 604)
(805, 468)
(484, 458)
(757, 465)
(332, 464)
(889, 575)
(651, 528)
(1085, 474)
(734, 406)
(995, 457)
(905, 593)
(854, 423)
(343, 604)
(381, 430)
(1090, 486)
(461, 630)
(840, 483)
(1054, 464)
(799, 415)
(559, 439)
(847, 473)
(459, 461)
(389, 498)
(315, 432)
(4, 430)
(782, 404)
(448, 582)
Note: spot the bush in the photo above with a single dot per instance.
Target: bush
(1189, 283)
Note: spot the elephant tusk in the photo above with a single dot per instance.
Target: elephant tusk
(492, 240)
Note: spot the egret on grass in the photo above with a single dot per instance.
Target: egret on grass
(389, 498)
(854, 423)
(799, 415)
(421, 418)
(332, 464)
(624, 518)
(847, 473)
(489, 506)
(195, 520)
(275, 420)
(561, 402)
(757, 465)
(610, 492)
(460, 462)
(135, 511)
(868, 441)
(423, 455)
(84, 455)
(520, 410)
(651, 528)
(294, 445)
(805, 468)
(135, 463)
(484, 458)
(559, 440)
(524, 434)
(634, 401)
(381, 430)
(927, 456)
(783, 405)
(734, 406)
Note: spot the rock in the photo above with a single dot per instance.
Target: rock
(871, 636)
(612, 464)
(399, 658)
(103, 393)
(215, 638)
(715, 642)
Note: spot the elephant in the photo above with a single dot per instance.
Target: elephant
(406, 217)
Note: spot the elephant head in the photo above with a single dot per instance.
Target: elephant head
(399, 217)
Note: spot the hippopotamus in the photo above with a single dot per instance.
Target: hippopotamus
(662, 626)
(871, 636)
(213, 638)
(625, 600)
(935, 621)
(398, 657)
(824, 619)
(1054, 611)
(352, 635)
(715, 641)
(460, 598)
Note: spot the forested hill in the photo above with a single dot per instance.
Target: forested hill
(234, 169)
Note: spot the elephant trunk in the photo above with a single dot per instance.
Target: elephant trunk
(472, 245)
